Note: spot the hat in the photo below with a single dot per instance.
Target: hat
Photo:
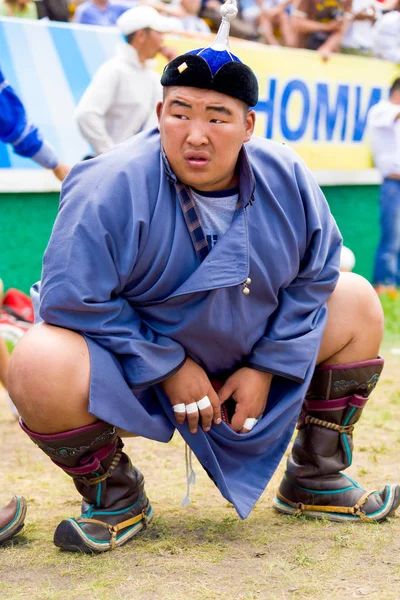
(142, 17)
(215, 68)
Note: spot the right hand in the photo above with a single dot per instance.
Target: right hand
(190, 384)
(61, 171)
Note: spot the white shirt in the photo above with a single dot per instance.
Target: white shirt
(359, 34)
(120, 100)
(386, 36)
(384, 136)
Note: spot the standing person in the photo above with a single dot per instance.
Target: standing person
(161, 286)
(15, 129)
(384, 131)
(121, 99)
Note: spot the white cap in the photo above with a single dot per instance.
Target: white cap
(141, 17)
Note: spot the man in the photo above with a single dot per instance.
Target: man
(164, 307)
(25, 138)
(321, 25)
(384, 131)
(121, 99)
(100, 12)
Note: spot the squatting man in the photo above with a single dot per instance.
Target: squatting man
(163, 306)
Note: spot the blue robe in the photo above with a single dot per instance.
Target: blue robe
(17, 130)
(121, 269)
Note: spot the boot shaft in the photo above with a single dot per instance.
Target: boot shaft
(334, 403)
(93, 457)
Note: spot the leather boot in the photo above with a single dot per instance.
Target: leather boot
(12, 518)
(313, 484)
(115, 506)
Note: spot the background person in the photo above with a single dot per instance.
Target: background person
(321, 25)
(121, 98)
(383, 125)
(104, 13)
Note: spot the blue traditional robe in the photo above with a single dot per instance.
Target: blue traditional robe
(121, 269)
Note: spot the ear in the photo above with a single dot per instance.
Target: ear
(249, 124)
(159, 111)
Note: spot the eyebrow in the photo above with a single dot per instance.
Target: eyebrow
(211, 107)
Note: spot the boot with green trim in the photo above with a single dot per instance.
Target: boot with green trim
(12, 518)
(313, 484)
(115, 507)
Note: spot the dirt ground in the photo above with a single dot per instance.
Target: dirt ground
(204, 551)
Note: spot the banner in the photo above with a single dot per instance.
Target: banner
(318, 108)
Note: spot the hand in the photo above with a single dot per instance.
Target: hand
(168, 52)
(190, 384)
(249, 388)
(61, 171)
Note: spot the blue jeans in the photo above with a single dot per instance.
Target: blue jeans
(387, 256)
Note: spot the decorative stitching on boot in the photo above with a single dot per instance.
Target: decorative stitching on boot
(340, 428)
(346, 510)
(70, 452)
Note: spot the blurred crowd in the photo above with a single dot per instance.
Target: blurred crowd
(364, 27)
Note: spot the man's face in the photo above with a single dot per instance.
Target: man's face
(202, 132)
(152, 42)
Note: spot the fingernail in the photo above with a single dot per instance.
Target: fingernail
(207, 428)
(218, 421)
(194, 431)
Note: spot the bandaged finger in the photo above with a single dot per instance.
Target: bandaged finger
(191, 408)
(249, 423)
(179, 408)
(203, 403)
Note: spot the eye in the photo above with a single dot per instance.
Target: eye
(217, 121)
(180, 117)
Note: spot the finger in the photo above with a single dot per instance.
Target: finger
(192, 415)
(215, 402)
(239, 418)
(179, 409)
(248, 425)
(206, 412)
(226, 390)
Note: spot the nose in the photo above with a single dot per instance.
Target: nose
(197, 135)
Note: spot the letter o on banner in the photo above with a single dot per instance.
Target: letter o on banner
(292, 87)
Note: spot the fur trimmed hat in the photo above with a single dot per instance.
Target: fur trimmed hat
(216, 70)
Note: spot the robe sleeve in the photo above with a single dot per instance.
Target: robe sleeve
(89, 262)
(17, 130)
(295, 330)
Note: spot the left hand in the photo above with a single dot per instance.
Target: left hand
(249, 388)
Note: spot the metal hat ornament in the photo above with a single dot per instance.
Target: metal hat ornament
(215, 67)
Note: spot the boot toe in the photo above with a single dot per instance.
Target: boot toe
(90, 536)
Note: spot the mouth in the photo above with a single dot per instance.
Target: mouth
(196, 160)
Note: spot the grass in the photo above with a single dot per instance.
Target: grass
(204, 551)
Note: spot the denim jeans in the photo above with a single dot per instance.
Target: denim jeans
(387, 256)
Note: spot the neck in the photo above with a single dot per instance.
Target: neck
(100, 3)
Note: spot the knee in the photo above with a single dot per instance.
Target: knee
(48, 369)
(361, 304)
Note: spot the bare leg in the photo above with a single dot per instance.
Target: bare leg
(354, 329)
(4, 357)
(48, 379)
